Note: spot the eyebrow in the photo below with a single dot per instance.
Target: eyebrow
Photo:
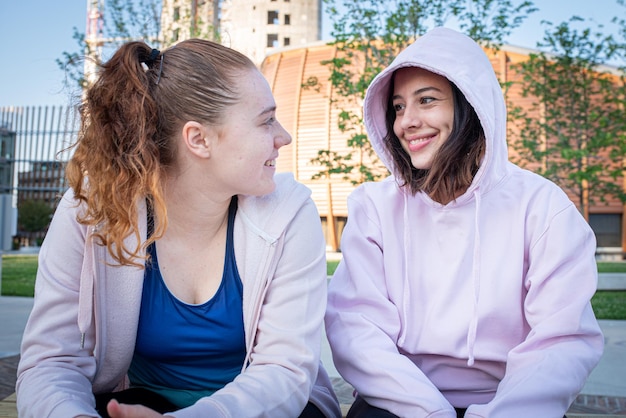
(269, 109)
(417, 92)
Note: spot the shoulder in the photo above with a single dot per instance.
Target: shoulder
(538, 190)
(287, 188)
(538, 203)
(274, 211)
(67, 212)
(379, 194)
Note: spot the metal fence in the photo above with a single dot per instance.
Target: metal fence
(34, 150)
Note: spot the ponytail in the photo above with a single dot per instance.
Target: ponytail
(118, 148)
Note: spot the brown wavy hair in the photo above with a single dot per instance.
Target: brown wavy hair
(130, 121)
(456, 162)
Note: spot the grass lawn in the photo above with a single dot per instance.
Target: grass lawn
(611, 267)
(609, 304)
(18, 279)
(18, 275)
(331, 266)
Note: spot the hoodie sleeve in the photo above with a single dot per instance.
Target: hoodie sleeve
(363, 325)
(54, 374)
(546, 371)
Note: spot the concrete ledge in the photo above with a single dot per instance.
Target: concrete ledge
(611, 281)
(609, 254)
(593, 416)
(8, 408)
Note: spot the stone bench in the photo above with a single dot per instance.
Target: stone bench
(8, 410)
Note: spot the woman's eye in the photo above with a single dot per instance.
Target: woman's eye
(398, 107)
(270, 121)
(427, 100)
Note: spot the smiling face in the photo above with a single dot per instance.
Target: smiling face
(246, 150)
(424, 113)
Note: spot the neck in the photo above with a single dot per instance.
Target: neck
(194, 213)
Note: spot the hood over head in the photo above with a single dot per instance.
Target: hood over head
(461, 60)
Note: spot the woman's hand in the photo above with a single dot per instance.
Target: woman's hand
(118, 410)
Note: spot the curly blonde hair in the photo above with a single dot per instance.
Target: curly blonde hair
(130, 119)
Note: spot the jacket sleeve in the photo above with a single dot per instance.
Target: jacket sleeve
(363, 325)
(546, 371)
(54, 373)
(285, 355)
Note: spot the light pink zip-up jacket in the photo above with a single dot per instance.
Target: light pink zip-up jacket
(81, 333)
(481, 303)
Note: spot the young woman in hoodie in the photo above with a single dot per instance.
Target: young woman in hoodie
(180, 274)
(465, 284)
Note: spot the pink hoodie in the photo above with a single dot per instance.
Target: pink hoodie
(482, 303)
(81, 333)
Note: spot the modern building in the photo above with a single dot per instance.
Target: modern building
(308, 115)
(253, 27)
(8, 215)
(7, 157)
(34, 151)
(44, 181)
(184, 19)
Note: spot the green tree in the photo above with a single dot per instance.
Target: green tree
(121, 21)
(368, 34)
(575, 131)
(33, 216)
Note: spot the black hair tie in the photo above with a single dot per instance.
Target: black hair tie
(149, 62)
(154, 54)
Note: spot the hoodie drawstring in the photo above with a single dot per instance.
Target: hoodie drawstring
(405, 262)
(85, 294)
(471, 333)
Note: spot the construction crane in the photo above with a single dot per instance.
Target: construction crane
(94, 39)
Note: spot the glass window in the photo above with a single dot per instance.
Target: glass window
(608, 228)
(272, 40)
(272, 17)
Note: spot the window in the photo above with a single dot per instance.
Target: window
(287, 19)
(272, 40)
(340, 223)
(272, 17)
(286, 41)
(176, 14)
(175, 35)
(608, 228)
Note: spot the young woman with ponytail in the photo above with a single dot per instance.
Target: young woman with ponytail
(180, 275)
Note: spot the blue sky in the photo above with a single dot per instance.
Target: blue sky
(34, 33)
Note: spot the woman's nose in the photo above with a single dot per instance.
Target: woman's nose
(411, 118)
(283, 137)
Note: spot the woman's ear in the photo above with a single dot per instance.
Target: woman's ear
(197, 139)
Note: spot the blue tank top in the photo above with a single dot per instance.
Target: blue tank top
(183, 351)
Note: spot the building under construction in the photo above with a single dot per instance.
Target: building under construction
(253, 27)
